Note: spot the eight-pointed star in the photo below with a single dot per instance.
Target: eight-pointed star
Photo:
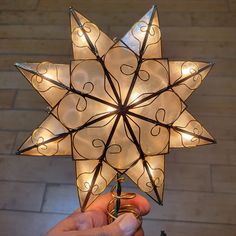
(118, 107)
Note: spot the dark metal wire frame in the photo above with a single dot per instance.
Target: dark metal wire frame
(121, 109)
(104, 76)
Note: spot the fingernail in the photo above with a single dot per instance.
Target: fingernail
(128, 224)
(84, 225)
(84, 222)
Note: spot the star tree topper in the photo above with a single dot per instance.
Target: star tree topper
(118, 107)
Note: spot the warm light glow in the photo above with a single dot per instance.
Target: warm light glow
(81, 36)
(187, 136)
(186, 71)
(110, 109)
(134, 96)
(78, 37)
(82, 39)
(40, 135)
(189, 68)
(49, 76)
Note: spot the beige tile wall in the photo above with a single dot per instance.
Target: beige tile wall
(200, 196)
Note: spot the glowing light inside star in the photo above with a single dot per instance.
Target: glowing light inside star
(189, 68)
(135, 96)
(187, 136)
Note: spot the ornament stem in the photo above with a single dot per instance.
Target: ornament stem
(118, 204)
(118, 194)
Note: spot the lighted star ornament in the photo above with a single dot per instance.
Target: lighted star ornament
(118, 107)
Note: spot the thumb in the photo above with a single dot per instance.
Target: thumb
(124, 225)
(127, 224)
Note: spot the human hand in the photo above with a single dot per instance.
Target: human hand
(93, 222)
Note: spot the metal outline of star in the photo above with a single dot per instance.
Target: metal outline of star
(121, 109)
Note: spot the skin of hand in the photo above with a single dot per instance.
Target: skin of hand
(93, 222)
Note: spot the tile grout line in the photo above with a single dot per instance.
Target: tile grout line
(128, 186)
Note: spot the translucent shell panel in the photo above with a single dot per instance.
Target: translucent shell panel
(153, 76)
(89, 143)
(188, 132)
(187, 76)
(148, 174)
(49, 139)
(50, 80)
(87, 76)
(121, 63)
(153, 139)
(144, 38)
(165, 108)
(75, 110)
(92, 179)
(85, 35)
(122, 152)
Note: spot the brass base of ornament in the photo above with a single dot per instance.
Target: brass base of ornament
(118, 204)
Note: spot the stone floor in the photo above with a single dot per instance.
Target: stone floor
(200, 194)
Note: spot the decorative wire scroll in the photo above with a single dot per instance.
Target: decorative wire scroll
(190, 68)
(153, 32)
(38, 81)
(117, 114)
(158, 180)
(193, 134)
(85, 185)
(47, 149)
